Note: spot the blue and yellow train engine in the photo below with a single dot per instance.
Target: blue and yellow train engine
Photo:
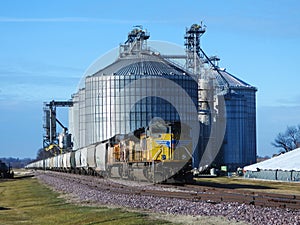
(158, 153)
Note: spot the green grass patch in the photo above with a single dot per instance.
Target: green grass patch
(26, 201)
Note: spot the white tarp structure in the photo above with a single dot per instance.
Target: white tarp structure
(289, 161)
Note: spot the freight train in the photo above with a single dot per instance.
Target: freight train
(158, 153)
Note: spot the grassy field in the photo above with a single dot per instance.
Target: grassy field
(239, 183)
(25, 201)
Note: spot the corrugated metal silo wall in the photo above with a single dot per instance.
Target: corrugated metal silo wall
(239, 147)
(251, 152)
(111, 109)
(82, 119)
(99, 108)
(73, 121)
(88, 110)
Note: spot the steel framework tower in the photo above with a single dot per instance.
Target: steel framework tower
(51, 139)
(192, 43)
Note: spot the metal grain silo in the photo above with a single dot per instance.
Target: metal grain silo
(127, 94)
(239, 145)
(227, 109)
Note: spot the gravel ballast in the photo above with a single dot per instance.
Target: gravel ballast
(84, 193)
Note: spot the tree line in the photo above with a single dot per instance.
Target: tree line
(16, 162)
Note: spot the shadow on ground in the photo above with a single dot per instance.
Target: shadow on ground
(4, 208)
(232, 186)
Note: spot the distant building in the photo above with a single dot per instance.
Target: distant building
(284, 167)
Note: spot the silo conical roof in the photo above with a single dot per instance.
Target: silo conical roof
(142, 64)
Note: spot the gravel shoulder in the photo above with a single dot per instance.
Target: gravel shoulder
(174, 210)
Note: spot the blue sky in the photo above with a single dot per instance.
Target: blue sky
(47, 45)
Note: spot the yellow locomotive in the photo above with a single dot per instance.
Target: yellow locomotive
(156, 153)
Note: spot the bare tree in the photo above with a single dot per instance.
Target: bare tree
(289, 140)
(42, 154)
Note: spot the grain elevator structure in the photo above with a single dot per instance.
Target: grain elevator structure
(127, 94)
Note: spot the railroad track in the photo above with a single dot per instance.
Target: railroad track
(217, 195)
(191, 192)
